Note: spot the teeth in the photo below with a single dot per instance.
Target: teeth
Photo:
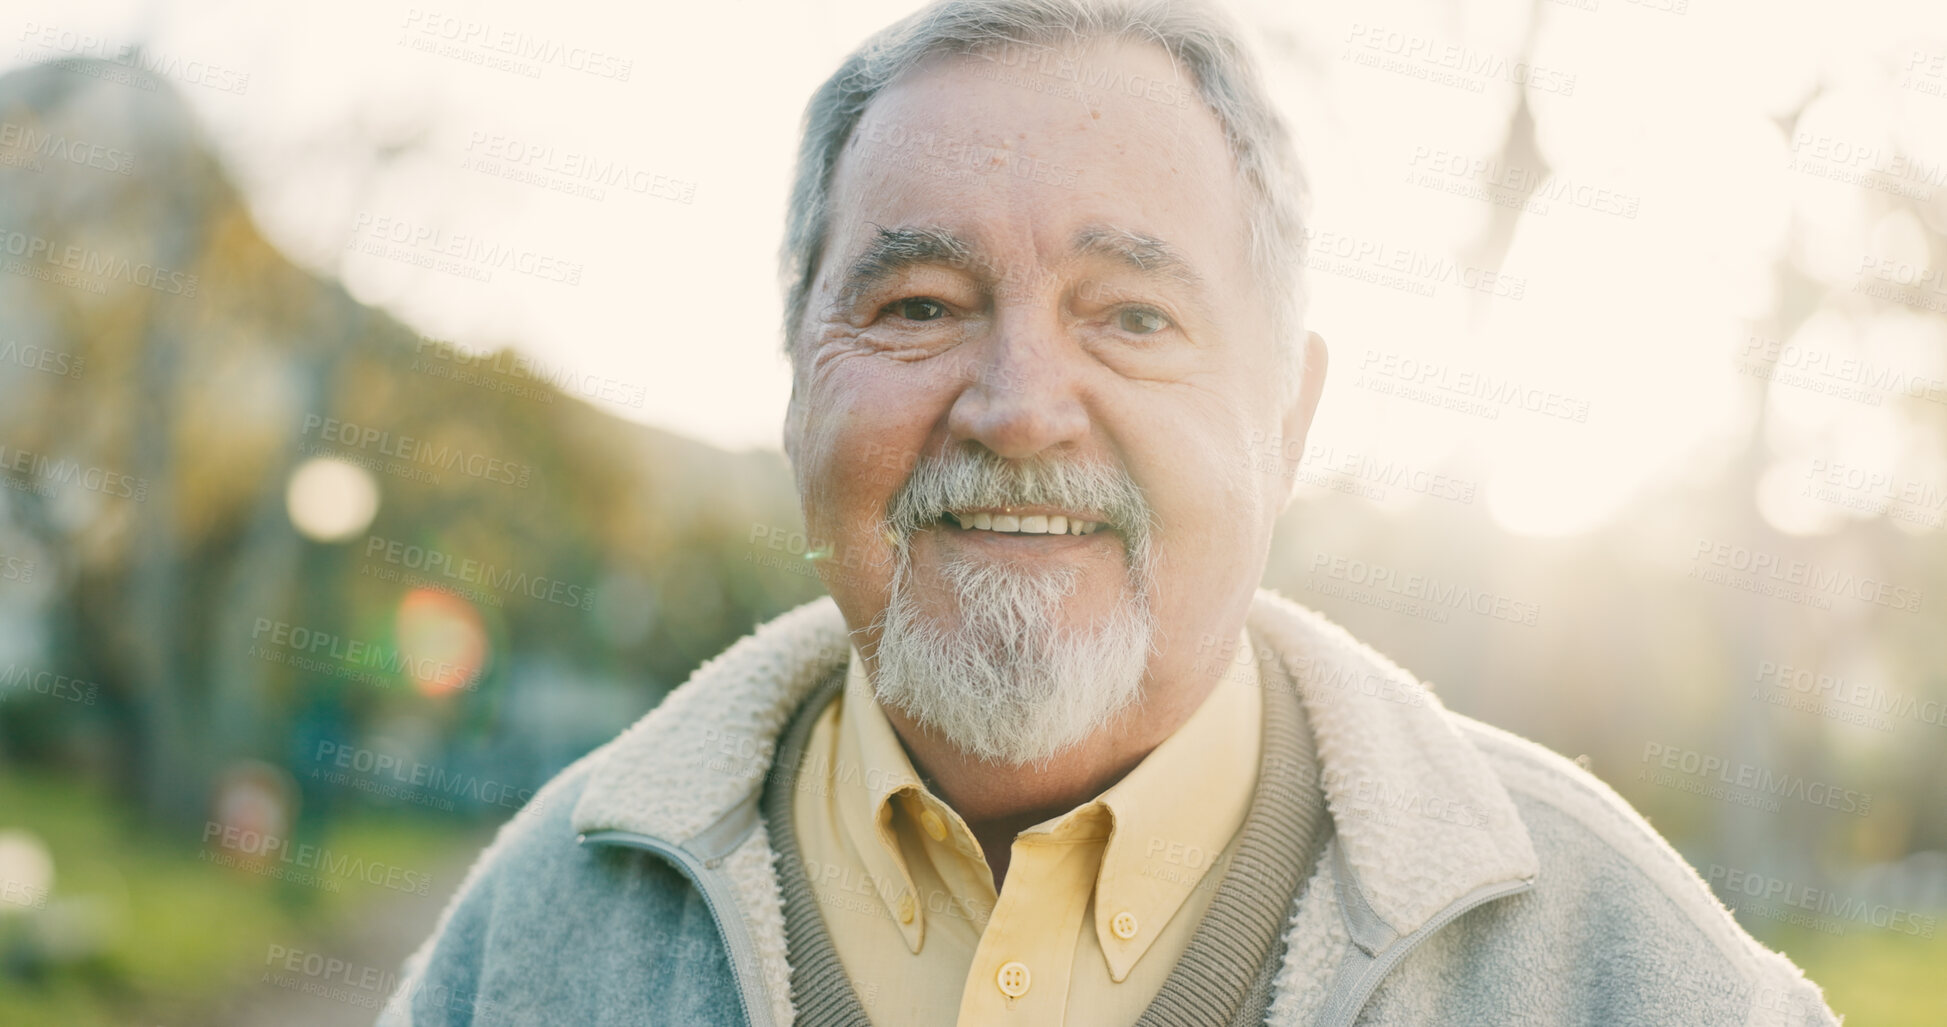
(1032, 524)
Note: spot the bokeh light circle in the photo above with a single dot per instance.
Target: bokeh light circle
(331, 500)
(442, 639)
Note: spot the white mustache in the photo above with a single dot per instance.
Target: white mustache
(966, 478)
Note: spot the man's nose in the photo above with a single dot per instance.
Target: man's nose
(1022, 395)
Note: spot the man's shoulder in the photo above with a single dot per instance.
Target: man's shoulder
(542, 927)
(1587, 819)
(540, 847)
(1609, 879)
(540, 831)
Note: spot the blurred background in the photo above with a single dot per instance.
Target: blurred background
(389, 413)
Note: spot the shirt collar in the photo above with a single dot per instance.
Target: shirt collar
(872, 772)
(1166, 821)
(1174, 813)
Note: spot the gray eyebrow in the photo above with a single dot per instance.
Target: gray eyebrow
(892, 250)
(1144, 253)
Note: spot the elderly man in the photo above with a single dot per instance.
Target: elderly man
(1047, 756)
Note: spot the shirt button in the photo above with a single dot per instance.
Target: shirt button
(905, 908)
(1124, 925)
(935, 827)
(1013, 978)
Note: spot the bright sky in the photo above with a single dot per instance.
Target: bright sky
(1624, 318)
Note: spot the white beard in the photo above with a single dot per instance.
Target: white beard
(1008, 684)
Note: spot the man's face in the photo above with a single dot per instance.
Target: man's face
(1023, 279)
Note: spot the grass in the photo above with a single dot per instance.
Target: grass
(155, 932)
(1873, 977)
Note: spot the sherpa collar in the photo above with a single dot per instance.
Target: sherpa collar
(1421, 818)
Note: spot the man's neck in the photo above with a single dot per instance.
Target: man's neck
(999, 800)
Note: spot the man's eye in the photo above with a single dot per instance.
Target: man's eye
(917, 309)
(1141, 321)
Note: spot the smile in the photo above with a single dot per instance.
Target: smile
(1023, 523)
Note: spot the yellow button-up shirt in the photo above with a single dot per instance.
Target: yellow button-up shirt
(1098, 903)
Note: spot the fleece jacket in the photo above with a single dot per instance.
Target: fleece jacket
(1471, 877)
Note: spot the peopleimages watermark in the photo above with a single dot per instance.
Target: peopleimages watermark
(1833, 373)
(328, 652)
(389, 776)
(20, 679)
(1352, 471)
(84, 267)
(39, 358)
(367, 987)
(16, 568)
(1797, 581)
(1920, 286)
(508, 372)
(1187, 865)
(1836, 698)
(22, 894)
(506, 49)
(439, 570)
(1182, 863)
(1463, 389)
(41, 472)
(322, 976)
(1405, 268)
(571, 172)
(854, 890)
(415, 451)
(1831, 912)
(1448, 64)
(1414, 594)
(955, 159)
(43, 41)
(460, 254)
(1387, 801)
(272, 856)
(793, 552)
(1530, 190)
(1925, 72)
(29, 144)
(1716, 777)
(1308, 671)
(1073, 75)
(1873, 491)
(1843, 160)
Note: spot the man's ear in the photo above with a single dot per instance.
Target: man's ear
(1311, 385)
(793, 425)
(1301, 403)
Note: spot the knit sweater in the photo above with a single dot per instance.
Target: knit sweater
(1224, 975)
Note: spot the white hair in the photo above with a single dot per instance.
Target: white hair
(1197, 36)
(1007, 683)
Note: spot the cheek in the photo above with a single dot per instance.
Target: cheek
(862, 437)
(1208, 504)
